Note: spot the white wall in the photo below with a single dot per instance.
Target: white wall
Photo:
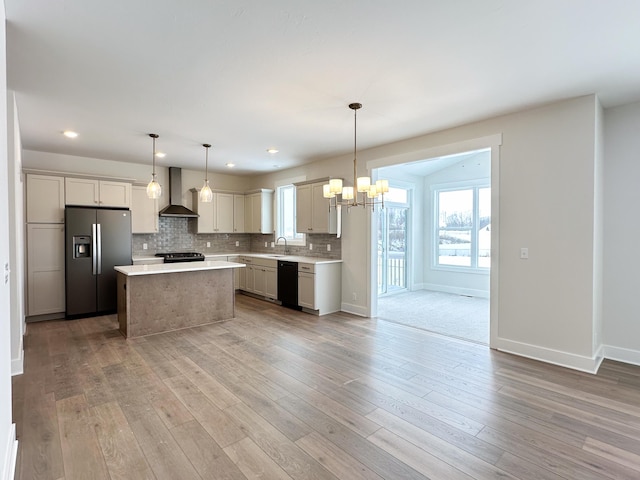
(8, 444)
(621, 302)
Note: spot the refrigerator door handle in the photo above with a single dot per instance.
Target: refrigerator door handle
(94, 258)
(99, 250)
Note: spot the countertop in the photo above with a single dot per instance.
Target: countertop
(131, 270)
(213, 256)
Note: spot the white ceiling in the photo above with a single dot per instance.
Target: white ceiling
(246, 75)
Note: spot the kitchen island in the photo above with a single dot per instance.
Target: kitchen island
(170, 296)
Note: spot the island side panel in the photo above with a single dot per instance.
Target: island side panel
(122, 302)
(171, 301)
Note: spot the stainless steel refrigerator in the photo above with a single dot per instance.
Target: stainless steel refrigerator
(96, 240)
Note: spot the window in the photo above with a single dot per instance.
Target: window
(286, 215)
(463, 228)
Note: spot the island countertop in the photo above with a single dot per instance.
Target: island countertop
(134, 270)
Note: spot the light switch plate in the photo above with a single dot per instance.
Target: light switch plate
(524, 253)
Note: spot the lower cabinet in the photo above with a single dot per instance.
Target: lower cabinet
(237, 272)
(320, 287)
(261, 277)
(45, 269)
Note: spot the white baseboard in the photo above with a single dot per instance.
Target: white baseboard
(354, 309)
(625, 355)
(471, 292)
(555, 357)
(11, 455)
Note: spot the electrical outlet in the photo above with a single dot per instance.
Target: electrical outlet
(266, 244)
(208, 244)
(328, 247)
(273, 244)
(237, 243)
(311, 246)
(145, 246)
(524, 253)
(354, 296)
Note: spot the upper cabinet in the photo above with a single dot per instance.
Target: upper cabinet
(258, 211)
(144, 211)
(312, 209)
(98, 193)
(238, 213)
(45, 199)
(216, 216)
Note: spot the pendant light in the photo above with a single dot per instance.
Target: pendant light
(349, 195)
(206, 195)
(154, 190)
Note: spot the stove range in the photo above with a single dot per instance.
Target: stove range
(175, 257)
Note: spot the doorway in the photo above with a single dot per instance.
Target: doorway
(434, 253)
(393, 242)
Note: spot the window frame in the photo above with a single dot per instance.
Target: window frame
(475, 186)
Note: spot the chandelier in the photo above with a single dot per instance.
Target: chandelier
(371, 194)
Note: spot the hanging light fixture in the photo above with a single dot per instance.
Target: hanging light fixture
(154, 190)
(349, 195)
(206, 195)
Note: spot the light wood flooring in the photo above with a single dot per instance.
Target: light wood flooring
(279, 394)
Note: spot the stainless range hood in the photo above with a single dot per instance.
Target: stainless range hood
(175, 207)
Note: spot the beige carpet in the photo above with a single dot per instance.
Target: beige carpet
(445, 313)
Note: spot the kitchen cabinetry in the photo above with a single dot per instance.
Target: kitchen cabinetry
(45, 269)
(102, 193)
(238, 213)
(261, 277)
(216, 216)
(258, 211)
(312, 209)
(45, 199)
(144, 211)
(320, 287)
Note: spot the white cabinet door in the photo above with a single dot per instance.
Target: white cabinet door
(45, 269)
(223, 218)
(205, 210)
(45, 199)
(237, 272)
(304, 213)
(238, 213)
(81, 191)
(270, 282)
(312, 210)
(306, 290)
(259, 280)
(144, 211)
(114, 194)
(259, 212)
(98, 193)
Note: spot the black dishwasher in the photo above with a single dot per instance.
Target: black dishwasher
(288, 284)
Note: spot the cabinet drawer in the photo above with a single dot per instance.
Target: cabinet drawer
(307, 267)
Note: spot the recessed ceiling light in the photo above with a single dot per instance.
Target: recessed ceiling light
(231, 165)
(70, 134)
(272, 150)
(161, 154)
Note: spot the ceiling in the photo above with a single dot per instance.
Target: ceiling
(248, 75)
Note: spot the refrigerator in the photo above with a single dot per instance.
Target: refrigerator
(96, 240)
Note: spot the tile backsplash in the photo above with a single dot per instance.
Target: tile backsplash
(178, 235)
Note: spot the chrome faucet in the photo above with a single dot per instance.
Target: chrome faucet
(286, 249)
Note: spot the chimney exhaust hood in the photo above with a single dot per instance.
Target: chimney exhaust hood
(175, 207)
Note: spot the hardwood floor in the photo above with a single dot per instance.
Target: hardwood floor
(279, 394)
